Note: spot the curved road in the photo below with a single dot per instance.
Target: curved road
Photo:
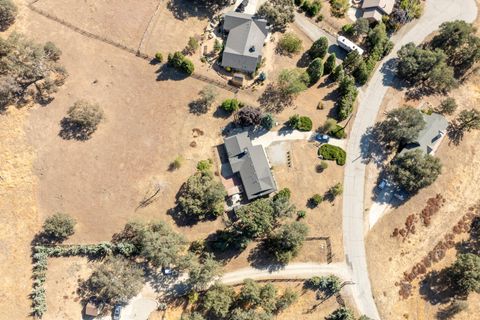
(370, 99)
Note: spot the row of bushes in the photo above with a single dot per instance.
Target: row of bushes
(348, 93)
(331, 152)
(300, 123)
(178, 61)
(40, 263)
(311, 8)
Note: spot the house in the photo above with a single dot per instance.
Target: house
(251, 164)
(348, 45)
(375, 9)
(246, 36)
(430, 137)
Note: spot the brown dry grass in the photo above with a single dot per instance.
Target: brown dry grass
(101, 181)
(388, 257)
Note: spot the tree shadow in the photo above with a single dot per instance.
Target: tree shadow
(261, 258)
(71, 130)
(221, 113)
(451, 310)
(472, 244)
(372, 148)
(435, 288)
(455, 133)
(274, 100)
(183, 9)
(165, 73)
(304, 60)
(389, 71)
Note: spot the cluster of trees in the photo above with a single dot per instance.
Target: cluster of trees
(201, 196)
(466, 121)
(339, 7)
(438, 64)
(328, 285)
(348, 94)
(411, 170)
(278, 13)
(262, 219)
(404, 12)
(30, 72)
(301, 123)
(311, 8)
(178, 61)
(253, 301)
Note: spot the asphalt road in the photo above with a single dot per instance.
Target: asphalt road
(370, 99)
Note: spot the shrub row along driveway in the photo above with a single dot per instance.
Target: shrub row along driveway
(370, 100)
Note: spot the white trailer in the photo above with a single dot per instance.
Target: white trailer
(348, 45)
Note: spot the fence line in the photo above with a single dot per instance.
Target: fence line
(135, 52)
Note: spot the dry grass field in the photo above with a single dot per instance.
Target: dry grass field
(389, 257)
(101, 181)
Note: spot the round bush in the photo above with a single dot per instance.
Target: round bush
(304, 124)
(330, 152)
(231, 105)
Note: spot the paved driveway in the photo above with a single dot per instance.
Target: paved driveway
(370, 99)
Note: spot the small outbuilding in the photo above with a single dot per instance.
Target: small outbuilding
(374, 10)
(92, 310)
(431, 136)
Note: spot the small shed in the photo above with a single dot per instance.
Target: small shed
(238, 79)
(91, 310)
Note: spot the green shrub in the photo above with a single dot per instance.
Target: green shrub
(319, 48)
(322, 166)
(315, 70)
(301, 123)
(348, 29)
(59, 226)
(311, 8)
(176, 164)
(231, 105)
(204, 165)
(290, 43)
(268, 121)
(316, 199)
(338, 132)
(159, 57)
(178, 61)
(330, 152)
(330, 64)
(301, 214)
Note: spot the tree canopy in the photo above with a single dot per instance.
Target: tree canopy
(289, 44)
(201, 196)
(202, 273)
(218, 300)
(341, 313)
(287, 241)
(319, 48)
(315, 70)
(256, 219)
(459, 42)
(414, 170)
(293, 81)
(116, 280)
(279, 13)
(29, 72)
(156, 242)
(248, 116)
(402, 125)
(465, 273)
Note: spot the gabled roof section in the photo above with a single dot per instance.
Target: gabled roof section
(435, 128)
(386, 6)
(252, 165)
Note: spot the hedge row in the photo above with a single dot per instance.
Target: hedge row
(331, 152)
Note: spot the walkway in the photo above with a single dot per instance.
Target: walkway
(291, 135)
(370, 99)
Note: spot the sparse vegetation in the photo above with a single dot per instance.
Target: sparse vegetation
(447, 106)
(289, 44)
(292, 81)
(339, 7)
(8, 13)
(59, 227)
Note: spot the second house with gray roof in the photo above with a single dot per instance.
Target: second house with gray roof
(246, 37)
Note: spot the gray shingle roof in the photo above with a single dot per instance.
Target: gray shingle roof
(252, 165)
(245, 41)
(435, 127)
